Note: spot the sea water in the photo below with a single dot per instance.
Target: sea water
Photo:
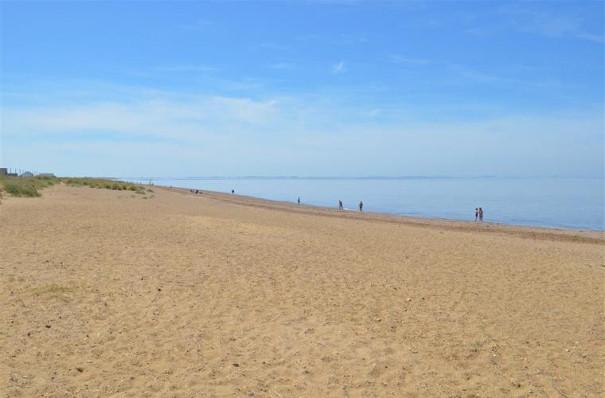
(576, 203)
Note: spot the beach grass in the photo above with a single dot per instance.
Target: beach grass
(30, 187)
(26, 186)
(103, 183)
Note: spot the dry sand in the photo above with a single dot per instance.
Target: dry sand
(112, 294)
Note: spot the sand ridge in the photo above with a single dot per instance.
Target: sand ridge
(176, 295)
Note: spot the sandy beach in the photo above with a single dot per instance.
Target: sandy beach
(169, 294)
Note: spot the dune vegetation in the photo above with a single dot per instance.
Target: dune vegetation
(103, 183)
(31, 186)
(26, 186)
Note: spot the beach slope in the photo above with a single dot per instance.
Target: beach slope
(169, 294)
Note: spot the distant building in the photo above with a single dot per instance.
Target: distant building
(3, 171)
(27, 174)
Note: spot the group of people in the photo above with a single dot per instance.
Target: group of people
(478, 210)
(341, 207)
(479, 214)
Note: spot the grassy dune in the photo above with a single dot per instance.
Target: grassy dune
(26, 186)
(102, 183)
(31, 186)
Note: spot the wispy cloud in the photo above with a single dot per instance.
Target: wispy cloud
(339, 68)
(270, 46)
(183, 117)
(350, 39)
(341, 39)
(242, 135)
(551, 25)
(590, 37)
(408, 61)
(464, 74)
(185, 68)
(308, 37)
(199, 24)
(478, 76)
(282, 65)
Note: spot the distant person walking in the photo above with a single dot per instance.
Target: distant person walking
(481, 214)
(233, 191)
(476, 214)
(340, 205)
(360, 205)
(299, 200)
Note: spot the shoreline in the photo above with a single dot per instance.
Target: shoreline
(527, 231)
(572, 204)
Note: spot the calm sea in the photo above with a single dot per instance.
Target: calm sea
(551, 202)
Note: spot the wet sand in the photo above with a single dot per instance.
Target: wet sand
(170, 294)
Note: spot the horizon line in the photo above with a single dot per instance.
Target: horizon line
(376, 177)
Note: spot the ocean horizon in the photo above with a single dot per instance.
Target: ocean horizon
(554, 202)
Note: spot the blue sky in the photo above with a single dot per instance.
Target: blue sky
(337, 88)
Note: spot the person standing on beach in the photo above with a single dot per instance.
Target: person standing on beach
(340, 205)
(476, 214)
(481, 214)
(232, 191)
(360, 205)
(299, 200)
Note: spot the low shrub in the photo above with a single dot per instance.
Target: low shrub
(21, 190)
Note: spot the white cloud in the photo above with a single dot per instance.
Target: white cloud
(221, 135)
(339, 68)
(183, 118)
